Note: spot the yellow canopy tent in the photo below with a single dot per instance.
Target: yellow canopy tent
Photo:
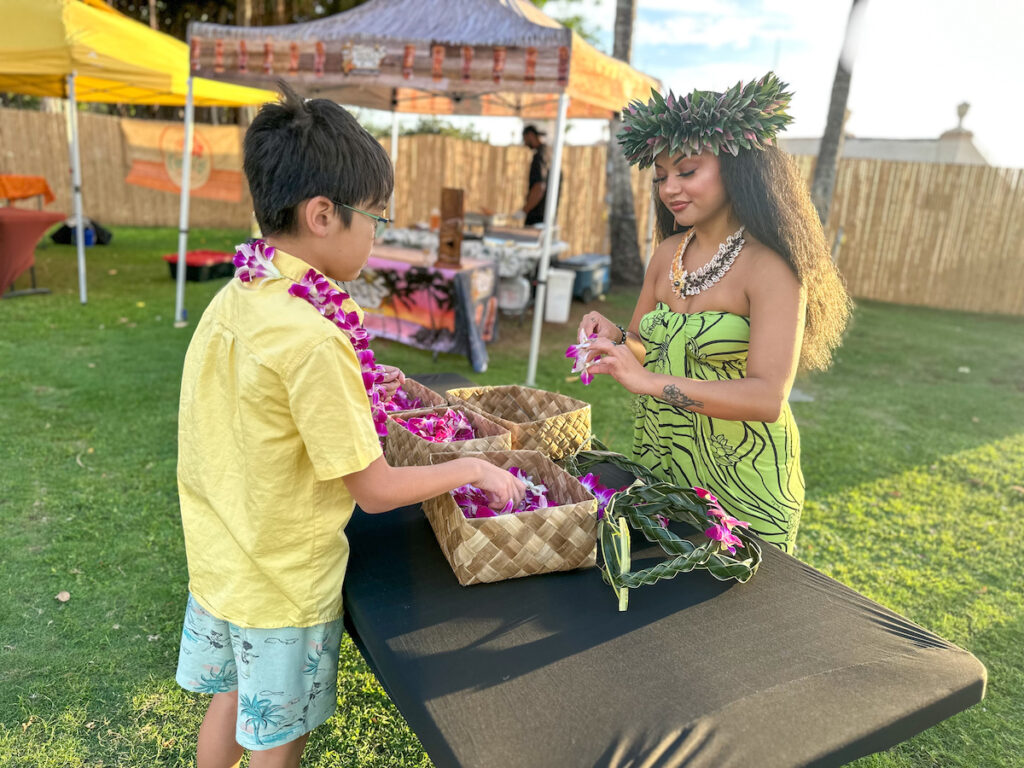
(83, 50)
(470, 57)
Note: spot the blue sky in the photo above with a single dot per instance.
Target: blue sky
(914, 62)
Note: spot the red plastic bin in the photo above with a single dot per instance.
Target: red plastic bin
(202, 265)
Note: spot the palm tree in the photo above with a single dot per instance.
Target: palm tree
(627, 269)
(260, 714)
(831, 143)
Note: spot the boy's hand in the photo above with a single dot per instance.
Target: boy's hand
(500, 485)
(393, 379)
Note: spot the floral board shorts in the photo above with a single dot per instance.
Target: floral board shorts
(286, 678)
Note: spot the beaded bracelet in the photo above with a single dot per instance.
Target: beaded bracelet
(623, 332)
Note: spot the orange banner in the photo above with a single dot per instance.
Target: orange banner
(155, 150)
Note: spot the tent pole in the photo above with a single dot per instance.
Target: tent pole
(394, 147)
(186, 174)
(550, 210)
(76, 188)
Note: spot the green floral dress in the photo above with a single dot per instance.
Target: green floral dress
(752, 467)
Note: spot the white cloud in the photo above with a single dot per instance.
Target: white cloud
(916, 60)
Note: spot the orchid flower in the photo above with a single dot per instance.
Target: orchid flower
(474, 503)
(580, 354)
(400, 401)
(705, 495)
(600, 492)
(725, 537)
(723, 524)
(254, 260)
(445, 428)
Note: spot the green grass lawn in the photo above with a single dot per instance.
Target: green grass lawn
(913, 453)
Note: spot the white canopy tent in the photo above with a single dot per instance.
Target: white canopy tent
(470, 57)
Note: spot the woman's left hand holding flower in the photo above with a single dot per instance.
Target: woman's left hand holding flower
(617, 361)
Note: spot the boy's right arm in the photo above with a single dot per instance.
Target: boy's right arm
(381, 487)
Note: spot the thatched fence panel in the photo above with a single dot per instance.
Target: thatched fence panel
(947, 236)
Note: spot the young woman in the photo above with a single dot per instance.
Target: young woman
(740, 293)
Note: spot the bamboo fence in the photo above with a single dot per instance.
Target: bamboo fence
(944, 236)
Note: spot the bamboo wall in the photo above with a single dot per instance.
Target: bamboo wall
(36, 143)
(946, 236)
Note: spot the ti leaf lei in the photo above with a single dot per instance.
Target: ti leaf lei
(644, 506)
(254, 260)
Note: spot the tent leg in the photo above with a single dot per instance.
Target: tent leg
(394, 150)
(550, 210)
(186, 173)
(76, 188)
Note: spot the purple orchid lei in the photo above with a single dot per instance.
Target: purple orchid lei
(401, 401)
(580, 355)
(721, 531)
(442, 428)
(474, 503)
(254, 260)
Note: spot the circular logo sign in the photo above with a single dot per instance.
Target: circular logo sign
(172, 142)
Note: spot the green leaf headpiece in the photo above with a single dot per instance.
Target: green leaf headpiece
(744, 117)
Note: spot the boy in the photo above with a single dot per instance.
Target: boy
(277, 443)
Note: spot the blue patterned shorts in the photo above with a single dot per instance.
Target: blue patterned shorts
(286, 678)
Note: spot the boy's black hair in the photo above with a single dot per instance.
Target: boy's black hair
(298, 149)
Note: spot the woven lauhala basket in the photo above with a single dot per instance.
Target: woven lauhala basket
(488, 549)
(429, 397)
(556, 425)
(404, 449)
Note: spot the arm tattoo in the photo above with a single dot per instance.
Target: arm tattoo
(671, 395)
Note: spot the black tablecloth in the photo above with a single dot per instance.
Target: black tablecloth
(789, 669)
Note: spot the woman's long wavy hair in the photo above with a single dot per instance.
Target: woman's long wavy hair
(770, 198)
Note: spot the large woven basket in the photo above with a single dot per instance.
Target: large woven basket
(558, 538)
(404, 449)
(429, 397)
(556, 425)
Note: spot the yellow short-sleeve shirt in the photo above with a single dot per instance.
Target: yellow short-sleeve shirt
(273, 414)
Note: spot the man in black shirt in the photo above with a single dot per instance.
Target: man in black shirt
(538, 183)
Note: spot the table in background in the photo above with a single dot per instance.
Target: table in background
(789, 669)
(20, 232)
(408, 299)
(15, 186)
(514, 251)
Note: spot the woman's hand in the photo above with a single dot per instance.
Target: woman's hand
(393, 379)
(595, 322)
(619, 362)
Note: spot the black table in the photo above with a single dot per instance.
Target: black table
(789, 669)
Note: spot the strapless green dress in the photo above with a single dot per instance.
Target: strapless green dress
(752, 467)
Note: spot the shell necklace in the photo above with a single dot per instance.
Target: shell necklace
(686, 283)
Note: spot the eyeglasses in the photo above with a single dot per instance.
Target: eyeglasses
(381, 225)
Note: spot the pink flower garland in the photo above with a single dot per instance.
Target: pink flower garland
(474, 503)
(443, 428)
(253, 260)
(721, 531)
(401, 401)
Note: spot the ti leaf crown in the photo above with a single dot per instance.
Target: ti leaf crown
(744, 117)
